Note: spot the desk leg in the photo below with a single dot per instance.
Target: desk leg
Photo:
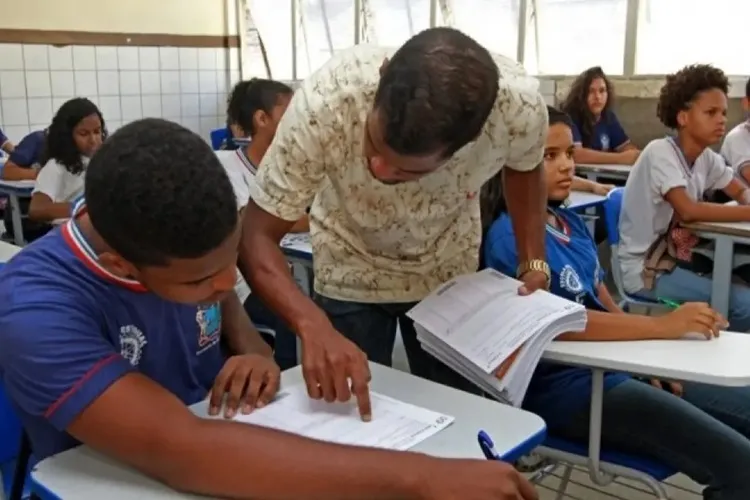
(15, 208)
(598, 477)
(721, 280)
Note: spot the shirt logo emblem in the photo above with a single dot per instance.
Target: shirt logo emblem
(569, 280)
(132, 342)
(209, 326)
(604, 139)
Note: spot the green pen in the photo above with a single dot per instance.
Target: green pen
(670, 303)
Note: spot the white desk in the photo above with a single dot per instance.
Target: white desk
(595, 172)
(721, 361)
(84, 475)
(579, 200)
(16, 190)
(7, 251)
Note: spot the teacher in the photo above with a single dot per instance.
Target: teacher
(391, 149)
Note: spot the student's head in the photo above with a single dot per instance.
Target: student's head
(590, 96)
(559, 166)
(746, 99)
(433, 98)
(255, 107)
(693, 101)
(161, 201)
(77, 131)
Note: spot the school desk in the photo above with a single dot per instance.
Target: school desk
(15, 190)
(7, 251)
(596, 172)
(82, 474)
(721, 361)
(580, 201)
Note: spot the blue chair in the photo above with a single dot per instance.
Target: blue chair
(218, 136)
(612, 209)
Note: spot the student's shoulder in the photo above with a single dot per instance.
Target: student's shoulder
(657, 149)
(501, 233)
(228, 158)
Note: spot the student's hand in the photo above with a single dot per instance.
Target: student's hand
(248, 381)
(532, 281)
(692, 317)
(603, 189)
(629, 156)
(335, 369)
(505, 366)
(476, 480)
(674, 387)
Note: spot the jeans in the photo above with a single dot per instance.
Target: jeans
(705, 434)
(682, 285)
(284, 342)
(373, 328)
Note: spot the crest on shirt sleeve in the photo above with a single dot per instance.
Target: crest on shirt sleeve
(132, 342)
(208, 318)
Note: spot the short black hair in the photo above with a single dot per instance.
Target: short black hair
(747, 89)
(682, 88)
(59, 143)
(556, 116)
(436, 92)
(576, 103)
(156, 191)
(252, 95)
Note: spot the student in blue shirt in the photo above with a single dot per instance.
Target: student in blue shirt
(24, 161)
(111, 325)
(597, 134)
(700, 430)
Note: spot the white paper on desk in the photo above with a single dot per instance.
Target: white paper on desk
(395, 425)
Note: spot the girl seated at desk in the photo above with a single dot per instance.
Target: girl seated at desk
(598, 136)
(702, 431)
(666, 187)
(76, 132)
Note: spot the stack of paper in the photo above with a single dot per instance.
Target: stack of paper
(475, 322)
(395, 425)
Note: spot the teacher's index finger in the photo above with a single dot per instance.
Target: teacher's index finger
(361, 390)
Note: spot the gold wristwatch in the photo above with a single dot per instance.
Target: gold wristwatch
(534, 265)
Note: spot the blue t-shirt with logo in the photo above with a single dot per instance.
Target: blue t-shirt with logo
(69, 330)
(608, 134)
(557, 392)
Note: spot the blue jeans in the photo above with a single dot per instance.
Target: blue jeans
(705, 434)
(682, 285)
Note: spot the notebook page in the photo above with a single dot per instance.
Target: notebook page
(395, 425)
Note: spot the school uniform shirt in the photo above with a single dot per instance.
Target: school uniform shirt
(736, 148)
(3, 139)
(69, 330)
(646, 215)
(608, 134)
(61, 186)
(557, 392)
(375, 242)
(28, 152)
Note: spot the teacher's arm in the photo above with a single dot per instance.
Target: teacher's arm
(523, 185)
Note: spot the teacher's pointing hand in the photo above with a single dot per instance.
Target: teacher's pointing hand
(335, 369)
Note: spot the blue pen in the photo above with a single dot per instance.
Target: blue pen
(490, 453)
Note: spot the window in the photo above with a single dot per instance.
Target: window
(574, 35)
(395, 21)
(274, 23)
(326, 26)
(675, 33)
(493, 23)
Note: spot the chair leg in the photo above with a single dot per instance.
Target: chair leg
(564, 480)
(22, 465)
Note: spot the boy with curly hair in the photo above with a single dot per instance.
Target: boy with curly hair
(667, 186)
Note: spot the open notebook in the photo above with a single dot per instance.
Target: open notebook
(475, 322)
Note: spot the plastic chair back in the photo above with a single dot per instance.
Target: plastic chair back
(612, 209)
(218, 136)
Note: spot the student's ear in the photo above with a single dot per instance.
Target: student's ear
(117, 265)
(383, 66)
(746, 104)
(682, 118)
(260, 119)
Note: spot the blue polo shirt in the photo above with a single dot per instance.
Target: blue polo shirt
(557, 392)
(69, 330)
(29, 150)
(608, 134)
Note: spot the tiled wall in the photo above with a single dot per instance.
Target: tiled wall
(186, 85)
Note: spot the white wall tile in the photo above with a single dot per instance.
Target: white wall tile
(86, 84)
(84, 58)
(130, 83)
(38, 126)
(60, 57)
(208, 105)
(234, 59)
(131, 108)
(207, 82)
(106, 58)
(40, 110)
(206, 59)
(38, 84)
(15, 133)
(169, 58)
(151, 106)
(11, 56)
(108, 82)
(170, 82)
(189, 82)
(234, 78)
(63, 84)
(222, 82)
(127, 57)
(150, 82)
(57, 102)
(222, 59)
(207, 124)
(12, 84)
(35, 57)
(190, 105)
(15, 112)
(188, 58)
(148, 57)
(221, 103)
(170, 106)
(110, 108)
(113, 126)
(191, 123)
